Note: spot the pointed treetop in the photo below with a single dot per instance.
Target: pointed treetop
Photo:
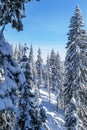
(39, 51)
(77, 6)
(78, 10)
(31, 45)
(31, 48)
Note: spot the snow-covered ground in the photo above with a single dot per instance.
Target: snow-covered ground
(55, 120)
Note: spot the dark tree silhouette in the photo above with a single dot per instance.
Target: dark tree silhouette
(12, 11)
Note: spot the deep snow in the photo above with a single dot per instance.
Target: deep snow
(55, 120)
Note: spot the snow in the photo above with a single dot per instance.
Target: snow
(21, 78)
(55, 121)
(73, 101)
(5, 103)
(5, 48)
(7, 86)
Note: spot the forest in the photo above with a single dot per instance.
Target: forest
(38, 96)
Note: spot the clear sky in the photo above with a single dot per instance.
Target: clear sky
(46, 25)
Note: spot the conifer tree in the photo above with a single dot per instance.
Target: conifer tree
(31, 57)
(15, 54)
(48, 76)
(19, 53)
(12, 11)
(53, 69)
(8, 88)
(23, 116)
(39, 67)
(29, 113)
(71, 118)
(12, 47)
(59, 82)
(32, 63)
(75, 66)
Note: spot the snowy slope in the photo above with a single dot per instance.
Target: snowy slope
(55, 120)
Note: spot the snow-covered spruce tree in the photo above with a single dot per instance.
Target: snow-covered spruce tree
(30, 116)
(39, 67)
(8, 88)
(31, 57)
(15, 53)
(53, 69)
(59, 82)
(12, 11)
(19, 53)
(44, 74)
(32, 64)
(71, 118)
(12, 47)
(23, 116)
(75, 66)
(48, 76)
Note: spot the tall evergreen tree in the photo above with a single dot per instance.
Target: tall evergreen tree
(15, 53)
(75, 66)
(29, 113)
(32, 63)
(31, 57)
(53, 69)
(39, 67)
(59, 82)
(19, 53)
(23, 117)
(48, 76)
(71, 117)
(8, 88)
(12, 47)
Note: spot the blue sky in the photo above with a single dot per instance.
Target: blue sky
(46, 25)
